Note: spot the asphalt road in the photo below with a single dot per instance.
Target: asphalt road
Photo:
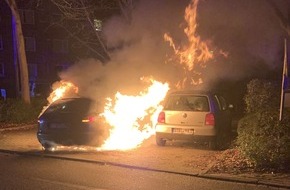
(30, 172)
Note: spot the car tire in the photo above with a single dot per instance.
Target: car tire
(223, 140)
(160, 141)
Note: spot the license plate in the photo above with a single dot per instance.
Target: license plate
(183, 131)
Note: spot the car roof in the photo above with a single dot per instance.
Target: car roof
(74, 98)
(67, 99)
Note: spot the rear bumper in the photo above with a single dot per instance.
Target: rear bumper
(199, 133)
(183, 137)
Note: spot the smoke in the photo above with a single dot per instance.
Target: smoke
(137, 50)
(244, 29)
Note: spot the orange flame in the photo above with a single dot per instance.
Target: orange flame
(124, 114)
(196, 52)
(62, 89)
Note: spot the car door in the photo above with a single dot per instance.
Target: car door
(224, 115)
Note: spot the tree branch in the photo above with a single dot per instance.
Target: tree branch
(284, 22)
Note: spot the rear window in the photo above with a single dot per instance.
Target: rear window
(70, 105)
(187, 103)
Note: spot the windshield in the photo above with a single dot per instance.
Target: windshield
(70, 105)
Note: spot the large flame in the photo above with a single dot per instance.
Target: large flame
(128, 117)
(195, 52)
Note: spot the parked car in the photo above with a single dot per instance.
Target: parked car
(69, 121)
(194, 116)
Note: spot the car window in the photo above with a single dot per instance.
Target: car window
(221, 102)
(187, 103)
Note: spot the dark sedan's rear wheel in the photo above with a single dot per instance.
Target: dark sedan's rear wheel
(160, 141)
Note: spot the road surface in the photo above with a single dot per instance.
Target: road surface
(31, 172)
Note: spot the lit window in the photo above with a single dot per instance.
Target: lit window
(27, 16)
(29, 43)
(32, 70)
(1, 42)
(98, 24)
(2, 70)
(60, 46)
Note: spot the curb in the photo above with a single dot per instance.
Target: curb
(219, 177)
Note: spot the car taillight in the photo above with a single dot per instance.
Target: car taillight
(209, 119)
(161, 117)
(89, 119)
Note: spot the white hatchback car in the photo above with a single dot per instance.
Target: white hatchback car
(194, 116)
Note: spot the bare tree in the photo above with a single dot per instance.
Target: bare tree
(78, 20)
(82, 14)
(126, 7)
(24, 79)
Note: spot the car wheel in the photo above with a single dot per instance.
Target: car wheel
(223, 140)
(160, 141)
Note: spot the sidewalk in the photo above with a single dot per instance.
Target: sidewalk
(183, 160)
(18, 128)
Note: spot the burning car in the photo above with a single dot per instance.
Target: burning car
(69, 121)
(194, 116)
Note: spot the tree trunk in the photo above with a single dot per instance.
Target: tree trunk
(24, 80)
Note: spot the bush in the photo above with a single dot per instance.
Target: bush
(16, 111)
(262, 138)
(261, 95)
(265, 140)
